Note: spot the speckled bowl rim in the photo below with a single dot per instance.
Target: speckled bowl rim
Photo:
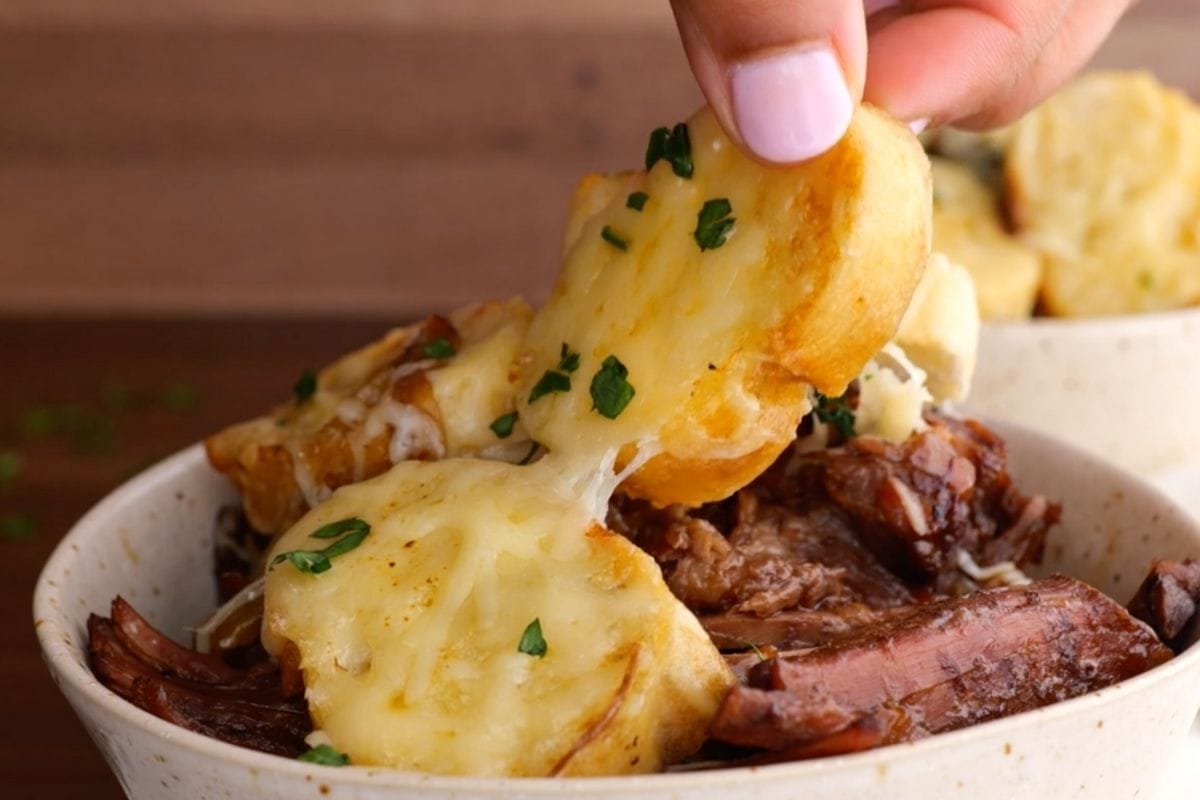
(63, 662)
(1145, 322)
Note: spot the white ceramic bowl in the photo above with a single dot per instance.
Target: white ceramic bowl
(1126, 388)
(151, 542)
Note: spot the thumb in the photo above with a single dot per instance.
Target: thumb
(782, 76)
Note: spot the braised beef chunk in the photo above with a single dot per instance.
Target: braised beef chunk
(246, 707)
(771, 559)
(917, 505)
(831, 539)
(944, 665)
(1167, 600)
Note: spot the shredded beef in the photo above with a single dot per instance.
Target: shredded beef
(830, 539)
(200, 692)
(944, 665)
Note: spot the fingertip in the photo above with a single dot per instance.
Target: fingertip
(790, 105)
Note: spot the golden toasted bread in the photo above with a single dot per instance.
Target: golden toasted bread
(968, 229)
(1104, 180)
(442, 670)
(723, 296)
(422, 391)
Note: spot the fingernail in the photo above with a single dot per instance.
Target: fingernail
(918, 125)
(874, 6)
(791, 105)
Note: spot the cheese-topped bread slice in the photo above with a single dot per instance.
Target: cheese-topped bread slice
(1104, 180)
(487, 625)
(702, 298)
(422, 391)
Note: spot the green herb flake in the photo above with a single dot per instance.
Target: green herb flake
(180, 397)
(615, 239)
(835, 411)
(502, 425)
(610, 389)
(116, 396)
(532, 642)
(11, 465)
(440, 347)
(324, 755)
(636, 200)
(568, 360)
(17, 527)
(313, 562)
(550, 382)
(673, 146)
(306, 386)
(1145, 280)
(714, 224)
(38, 421)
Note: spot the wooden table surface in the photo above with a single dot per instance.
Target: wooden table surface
(85, 404)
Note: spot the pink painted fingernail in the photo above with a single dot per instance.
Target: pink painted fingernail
(918, 125)
(791, 105)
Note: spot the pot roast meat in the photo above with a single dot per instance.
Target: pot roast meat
(945, 665)
(829, 540)
(774, 558)
(1167, 600)
(246, 707)
(916, 505)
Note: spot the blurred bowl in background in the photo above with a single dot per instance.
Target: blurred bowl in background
(1125, 388)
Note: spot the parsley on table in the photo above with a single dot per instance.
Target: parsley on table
(532, 642)
(611, 390)
(713, 224)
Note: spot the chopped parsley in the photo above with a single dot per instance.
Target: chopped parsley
(306, 386)
(611, 391)
(1145, 279)
(352, 532)
(713, 224)
(835, 411)
(17, 527)
(636, 200)
(673, 146)
(11, 465)
(440, 347)
(502, 425)
(532, 642)
(568, 360)
(550, 382)
(615, 239)
(559, 378)
(179, 397)
(324, 755)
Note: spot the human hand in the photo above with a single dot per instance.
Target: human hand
(783, 76)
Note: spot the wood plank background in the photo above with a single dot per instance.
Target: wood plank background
(276, 157)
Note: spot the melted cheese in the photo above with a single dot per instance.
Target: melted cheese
(476, 386)
(722, 344)
(409, 642)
